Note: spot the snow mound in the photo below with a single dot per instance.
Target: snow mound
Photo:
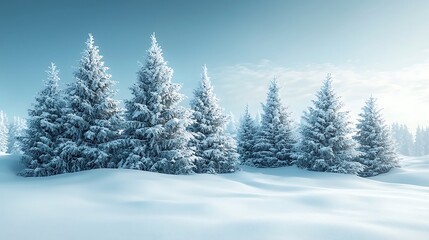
(281, 203)
(414, 171)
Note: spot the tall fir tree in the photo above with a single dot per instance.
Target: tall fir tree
(156, 126)
(274, 141)
(94, 118)
(215, 150)
(45, 127)
(246, 137)
(375, 147)
(4, 132)
(325, 143)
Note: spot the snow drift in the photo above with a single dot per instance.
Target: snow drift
(281, 203)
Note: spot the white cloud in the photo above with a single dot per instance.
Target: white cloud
(403, 93)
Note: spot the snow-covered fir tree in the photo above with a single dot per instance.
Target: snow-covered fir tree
(16, 131)
(375, 147)
(93, 120)
(215, 150)
(246, 137)
(45, 126)
(325, 143)
(4, 131)
(156, 126)
(403, 139)
(275, 139)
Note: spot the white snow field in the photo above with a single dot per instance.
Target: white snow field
(282, 203)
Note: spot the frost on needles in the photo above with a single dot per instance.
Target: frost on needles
(274, 141)
(45, 126)
(215, 150)
(246, 137)
(93, 117)
(84, 128)
(325, 143)
(376, 150)
(156, 126)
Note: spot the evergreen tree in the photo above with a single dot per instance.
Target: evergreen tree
(45, 126)
(246, 137)
(325, 144)
(274, 141)
(16, 131)
(215, 150)
(156, 126)
(4, 131)
(93, 120)
(376, 150)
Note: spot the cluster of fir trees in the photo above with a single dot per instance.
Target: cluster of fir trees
(84, 128)
(271, 142)
(9, 134)
(324, 143)
(409, 145)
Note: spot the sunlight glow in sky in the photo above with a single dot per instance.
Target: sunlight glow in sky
(376, 47)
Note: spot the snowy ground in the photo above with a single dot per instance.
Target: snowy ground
(283, 203)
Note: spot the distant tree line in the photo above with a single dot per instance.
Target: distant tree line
(83, 127)
(10, 131)
(408, 144)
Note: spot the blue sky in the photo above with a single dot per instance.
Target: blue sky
(370, 47)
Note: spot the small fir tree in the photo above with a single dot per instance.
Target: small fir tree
(246, 137)
(215, 150)
(376, 150)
